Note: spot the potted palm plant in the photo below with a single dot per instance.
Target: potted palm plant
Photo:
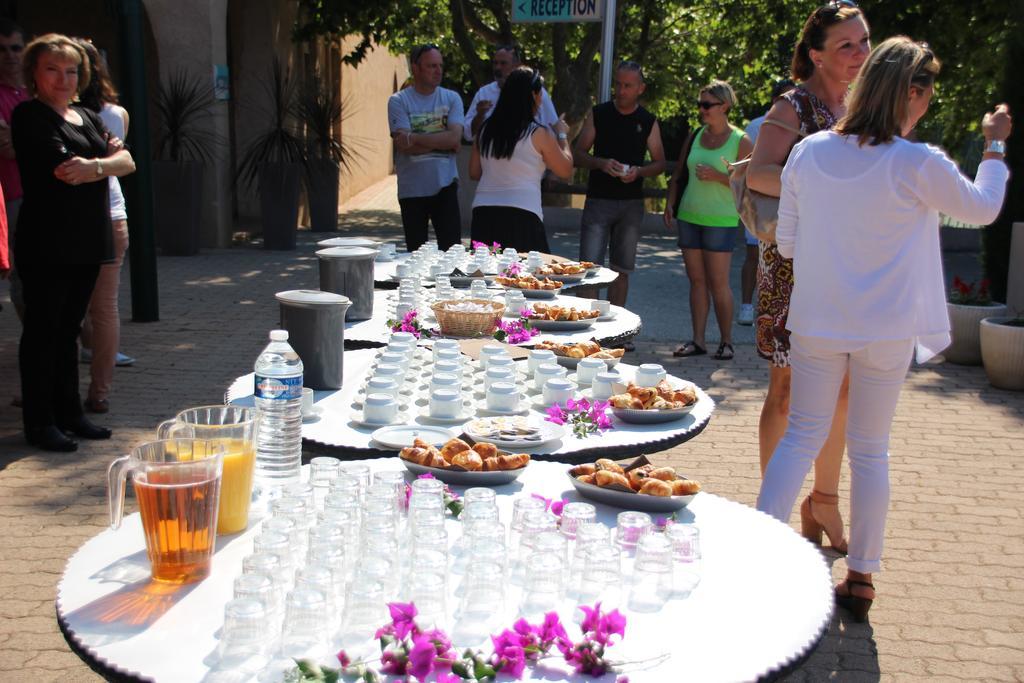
(321, 109)
(968, 304)
(274, 161)
(1002, 351)
(184, 145)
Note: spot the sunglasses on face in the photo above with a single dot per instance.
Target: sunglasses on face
(707, 105)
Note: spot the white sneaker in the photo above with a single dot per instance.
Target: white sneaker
(123, 361)
(746, 314)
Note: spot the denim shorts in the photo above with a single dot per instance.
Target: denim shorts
(706, 237)
(611, 225)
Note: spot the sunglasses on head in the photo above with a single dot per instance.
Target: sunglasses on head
(707, 105)
(417, 52)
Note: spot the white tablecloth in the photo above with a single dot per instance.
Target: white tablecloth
(375, 330)
(764, 600)
(384, 274)
(335, 427)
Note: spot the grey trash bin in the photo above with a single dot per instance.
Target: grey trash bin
(348, 242)
(349, 271)
(315, 322)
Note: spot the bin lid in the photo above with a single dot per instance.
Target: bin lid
(347, 242)
(354, 253)
(312, 297)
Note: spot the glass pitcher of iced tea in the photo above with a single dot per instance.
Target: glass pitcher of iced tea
(235, 427)
(177, 485)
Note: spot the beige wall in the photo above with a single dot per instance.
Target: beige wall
(365, 90)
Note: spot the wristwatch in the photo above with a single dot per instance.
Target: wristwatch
(563, 136)
(997, 146)
(99, 167)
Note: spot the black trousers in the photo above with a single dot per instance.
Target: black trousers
(509, 226)
(56, 299)
(441, 210)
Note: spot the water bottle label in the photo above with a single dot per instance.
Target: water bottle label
(283, 388)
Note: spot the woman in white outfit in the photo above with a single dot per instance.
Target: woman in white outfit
(858, 215)
(509, 158)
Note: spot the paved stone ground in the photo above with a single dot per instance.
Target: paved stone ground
(951, 598)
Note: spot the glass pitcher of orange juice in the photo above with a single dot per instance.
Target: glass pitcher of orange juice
(177, 485)
(235, 427)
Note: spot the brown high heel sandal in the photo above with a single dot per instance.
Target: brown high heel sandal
(811, 528)
(856, 605)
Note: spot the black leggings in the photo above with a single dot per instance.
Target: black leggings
(56, 299)
(510, 227)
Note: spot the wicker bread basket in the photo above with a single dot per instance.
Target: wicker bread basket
(463, 324)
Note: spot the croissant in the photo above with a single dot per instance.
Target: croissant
(656, 487)
(637, 478)
(663, 473)
(576, 352)
(453, 447)
(609, 478)
(685, 487)
(587, 478)
(664, 389)
(622, 401)
(587, 468)
(610, 465)
(486, 450)
(469, 459)
(436, 460)
(590, 347)
(414, 454)
(506, 461)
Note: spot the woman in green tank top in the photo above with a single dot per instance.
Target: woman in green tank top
(707, 218)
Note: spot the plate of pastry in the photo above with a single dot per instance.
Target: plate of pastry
(514, 431)
(531, 287)
(569, 355)
(456, 462)
(653, 405)
(640, 485)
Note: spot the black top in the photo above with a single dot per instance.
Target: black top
(60, 223)
(622, 137)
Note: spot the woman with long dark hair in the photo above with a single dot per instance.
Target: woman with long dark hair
(859, 217)
(510, 155)
(101, 329)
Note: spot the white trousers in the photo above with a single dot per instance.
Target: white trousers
(877, 371)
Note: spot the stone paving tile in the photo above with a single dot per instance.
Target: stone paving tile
(950, 598)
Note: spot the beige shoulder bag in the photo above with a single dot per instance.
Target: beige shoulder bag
(759, 212)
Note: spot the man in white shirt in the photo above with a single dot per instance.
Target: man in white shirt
(506, 60)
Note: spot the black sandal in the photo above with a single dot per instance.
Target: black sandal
(688, 349)
(857, 605)
(724, 352)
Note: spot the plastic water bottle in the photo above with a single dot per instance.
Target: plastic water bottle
(278, 396)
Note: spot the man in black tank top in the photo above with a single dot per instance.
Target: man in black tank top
(621, 133)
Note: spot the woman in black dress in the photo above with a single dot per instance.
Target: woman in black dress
(65, 157)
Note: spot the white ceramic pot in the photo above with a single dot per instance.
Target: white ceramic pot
(1002, 350)
(964, 322)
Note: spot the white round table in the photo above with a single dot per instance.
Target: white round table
(336, 429)
(764, 600)
(624, 326)
(384, 276)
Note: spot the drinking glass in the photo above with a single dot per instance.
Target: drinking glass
(344, 482)
(542, 586)
(479, 495)
(283, 525)
(686, 558)
(260, 587)
(234, 427)
(575, 514)
(244, 637)
(601, 576)
(651, 583)
(268, 565)
(275, 544)
(177, 485)
(428, 591)
(630, 527)
(319, 578)
(483, 601)
(428, 487)
(304, 632)
(360, 472)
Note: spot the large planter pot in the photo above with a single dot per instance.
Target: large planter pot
(177, 206)
(964, 322)
(1002, 350)
(279, 184)
(322, 186)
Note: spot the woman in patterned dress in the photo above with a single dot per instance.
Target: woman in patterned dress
(833, 45)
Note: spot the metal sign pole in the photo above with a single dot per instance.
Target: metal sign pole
(607, 50)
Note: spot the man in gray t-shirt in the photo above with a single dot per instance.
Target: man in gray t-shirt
(426, 126)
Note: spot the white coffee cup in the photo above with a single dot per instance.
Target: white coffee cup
(445, 380)
(447, 366)
(498, 374)
(557, 390)
(445, 345)
(487, 352)
(452, 355)
(395, 372)
(588, 368)
(502, 396)
(445, 403)
(649, 374)
(603, 307)
(539, 357)
(501, 360)
(402, 349)
(393, 358)
(403, 270)
(601, 386)
(546, 371)
(380, 409)
(382, 385)
(307, 401)
(387, 251)
(443, 281)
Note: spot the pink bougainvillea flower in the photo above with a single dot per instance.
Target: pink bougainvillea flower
(591, 617)
(392, 662)
(612, 623)
(555, 415)
(402, 616)
(509, 655)
(557, 507)
(552, 631)
(421, 657)
(343, 658)
(385, 630)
